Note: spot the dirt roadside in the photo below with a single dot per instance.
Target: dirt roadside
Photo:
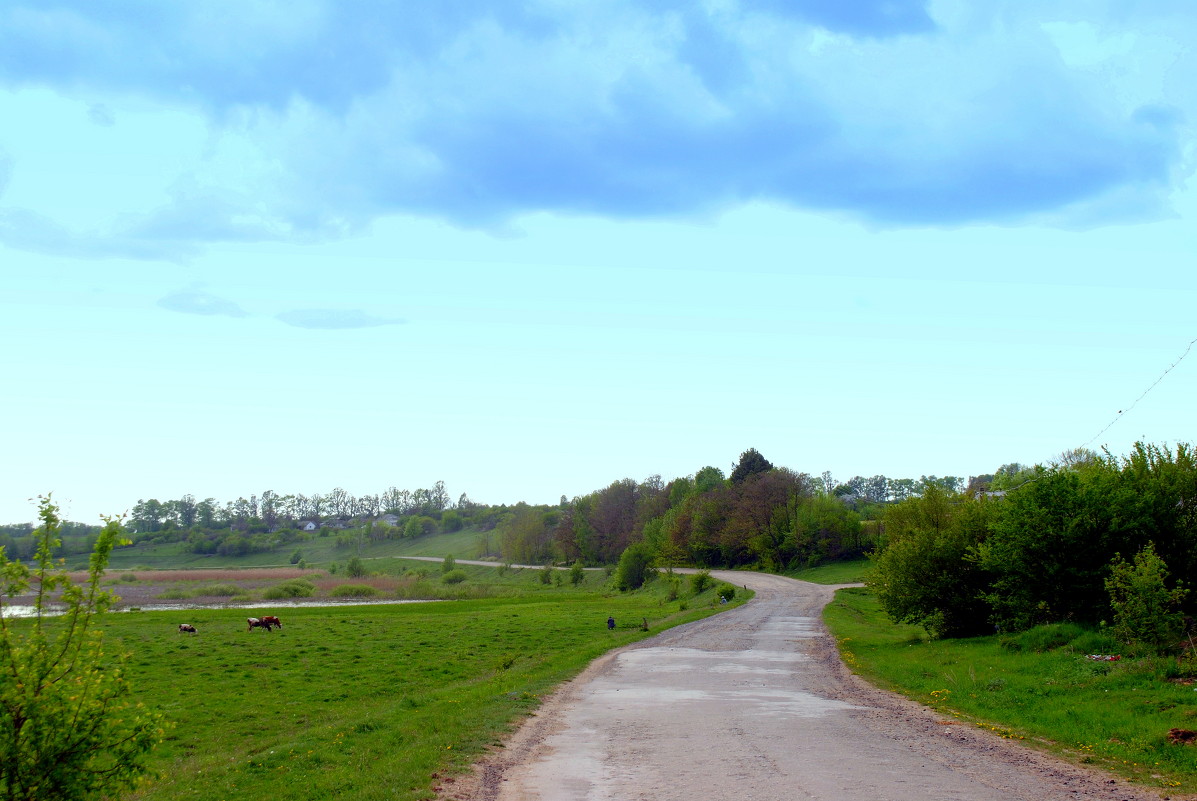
(755, 704)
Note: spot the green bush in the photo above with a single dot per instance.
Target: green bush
(635, 567)
(173, 595)
(356, 568)
(291, 588)
(221, 590)
(726, 591)
(449, 564)
(354, 591)
(128, 577)
(1043, 638)
(700, 581)
(454, 577)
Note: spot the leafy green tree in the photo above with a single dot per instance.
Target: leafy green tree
(448, 564)
(68, 729)
(576, 573)
(356, 568)
(635, 567)
(1145, 610)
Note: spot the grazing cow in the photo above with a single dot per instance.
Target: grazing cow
(255, 623)
(273, 621)
(186, 627)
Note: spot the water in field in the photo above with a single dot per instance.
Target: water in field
(183, 606)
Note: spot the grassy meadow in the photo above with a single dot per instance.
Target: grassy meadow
(849, 572)
(368, 701)
(1037, 687)
(315, 550)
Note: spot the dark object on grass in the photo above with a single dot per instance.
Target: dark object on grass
(255, 623)
(187, 627)
(1182, 736)
(611, 623)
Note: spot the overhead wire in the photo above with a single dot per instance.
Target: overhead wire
(1122, 412)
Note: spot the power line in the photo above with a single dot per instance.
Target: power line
(1122, 412)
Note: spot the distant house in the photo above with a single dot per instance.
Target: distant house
(390, 520)
(994, 494)
(308, 525)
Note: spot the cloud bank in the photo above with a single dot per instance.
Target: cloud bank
(323, 116)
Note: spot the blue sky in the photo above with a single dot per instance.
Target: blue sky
(532, 248)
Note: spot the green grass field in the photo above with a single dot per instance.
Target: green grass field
(318, 551)
(363, 702)
(1038, 687)
(852, 572)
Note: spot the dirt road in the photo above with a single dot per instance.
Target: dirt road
(754, 705)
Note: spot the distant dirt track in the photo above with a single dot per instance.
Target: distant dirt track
(754, 704)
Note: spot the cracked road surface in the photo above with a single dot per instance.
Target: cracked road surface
(754, 704)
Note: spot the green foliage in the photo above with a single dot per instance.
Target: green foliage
(577, 574)
(353, 591)
(451, 521)
(296, 556)
(68, 728)
(635, 567)
(356, 568)
(291, 588)
(1145, 610)
(449, 564)
(700, 581)
(546, 575)
(220, 590)
(725, 591)
(454, 577)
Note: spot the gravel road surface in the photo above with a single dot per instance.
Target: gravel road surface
(754, 705)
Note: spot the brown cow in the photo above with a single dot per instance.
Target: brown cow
(255, 623)
(273, 621)
(186, 627)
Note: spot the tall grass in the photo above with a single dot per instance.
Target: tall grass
(1038, 687)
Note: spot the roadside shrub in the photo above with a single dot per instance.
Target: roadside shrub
(546, 575)
(296, 557)
(725, 590)
(1145, 610)
(353, 591)
(454, 577)
(675, 587)
(577, 574)
(449, 565)
(291, 588)
(700, 581)
(356, 568)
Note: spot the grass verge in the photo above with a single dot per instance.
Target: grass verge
(1038, 687)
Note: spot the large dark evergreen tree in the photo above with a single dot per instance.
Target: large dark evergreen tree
(751, 462)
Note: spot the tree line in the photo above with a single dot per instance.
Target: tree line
(759, 514)
(272, 510)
